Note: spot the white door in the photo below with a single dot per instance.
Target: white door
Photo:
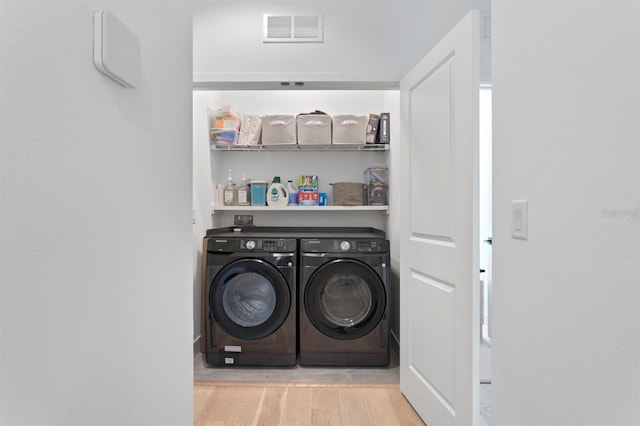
(439, 287)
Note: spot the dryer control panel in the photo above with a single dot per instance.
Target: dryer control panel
(333, 245)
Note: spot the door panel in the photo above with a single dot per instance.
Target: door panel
(431, 328)
(439, 301)
(431, 159)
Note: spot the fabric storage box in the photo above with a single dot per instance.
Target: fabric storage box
(314, 129)
(279, 130)
(349, 129)
(348, 193)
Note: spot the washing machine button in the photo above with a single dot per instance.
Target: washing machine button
(345, 246)
(250, 245)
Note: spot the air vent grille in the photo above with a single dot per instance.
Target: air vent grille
(305, 27)
(292, 29)
(279, 27)
(486, 26)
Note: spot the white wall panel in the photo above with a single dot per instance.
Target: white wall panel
(567, 302)
(371, 41)
(95, 219)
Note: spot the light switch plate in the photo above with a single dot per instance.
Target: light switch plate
(116, 50)
(519, 219)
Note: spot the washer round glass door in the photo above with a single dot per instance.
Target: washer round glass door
(250, 299)
(345, 299)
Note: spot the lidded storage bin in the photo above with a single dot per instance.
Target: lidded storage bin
(279, 130)
(376, 180)
(258, 193)
(314, 129)
(224, 125)
(349, 129)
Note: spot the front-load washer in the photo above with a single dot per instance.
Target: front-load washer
(250, 301)
(344, 302)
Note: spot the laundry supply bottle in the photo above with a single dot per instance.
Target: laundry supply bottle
(230, 195)
(244, 198)
(293, 193)
(277, 194)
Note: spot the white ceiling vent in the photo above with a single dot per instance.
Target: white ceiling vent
(292, 29)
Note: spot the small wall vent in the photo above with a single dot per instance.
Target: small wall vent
(485, 26)
(292, 29)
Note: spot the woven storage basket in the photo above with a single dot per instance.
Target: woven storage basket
(348, 193)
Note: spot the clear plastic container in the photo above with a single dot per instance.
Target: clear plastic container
(258, 193)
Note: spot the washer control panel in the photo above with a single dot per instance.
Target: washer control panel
(247, 245)
(277, 245)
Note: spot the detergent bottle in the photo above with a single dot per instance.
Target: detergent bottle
(277, 194)
(293, 193)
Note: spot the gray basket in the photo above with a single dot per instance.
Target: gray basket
(348, 194)
(349, 129)
(279, 130)
(314, 129)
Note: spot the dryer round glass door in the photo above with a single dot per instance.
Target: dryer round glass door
(250, 299)
(345, 299)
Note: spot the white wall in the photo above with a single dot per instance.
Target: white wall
(360, 42)
(364, 40)
(567, 301)
(95, 219)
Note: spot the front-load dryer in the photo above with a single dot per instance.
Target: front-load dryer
(344, 302)
(250, 301)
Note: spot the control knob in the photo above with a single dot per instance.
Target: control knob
(345, 246)
(250, 245)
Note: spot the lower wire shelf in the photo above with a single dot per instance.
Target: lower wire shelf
(219, 209)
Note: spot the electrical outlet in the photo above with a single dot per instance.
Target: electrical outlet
(242, 219)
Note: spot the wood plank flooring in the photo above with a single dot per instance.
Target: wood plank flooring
(273, 403)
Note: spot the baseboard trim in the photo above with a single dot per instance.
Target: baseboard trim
(237, 383)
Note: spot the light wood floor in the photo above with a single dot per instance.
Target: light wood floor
(272, 403)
